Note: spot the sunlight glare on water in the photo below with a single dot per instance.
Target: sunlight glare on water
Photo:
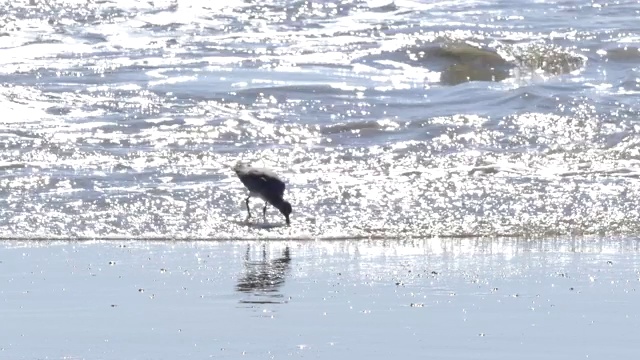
(386, 118)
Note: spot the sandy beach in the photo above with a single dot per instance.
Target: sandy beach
(435, 298)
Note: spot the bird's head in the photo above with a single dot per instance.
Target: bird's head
(285, 209)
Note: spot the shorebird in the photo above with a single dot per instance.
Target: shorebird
(265, 184)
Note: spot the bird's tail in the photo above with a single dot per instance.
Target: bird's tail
(239, 166)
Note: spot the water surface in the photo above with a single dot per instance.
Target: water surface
(387, 118)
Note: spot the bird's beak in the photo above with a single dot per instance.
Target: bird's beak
(288, 222)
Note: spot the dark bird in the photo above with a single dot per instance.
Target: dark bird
(265, 184)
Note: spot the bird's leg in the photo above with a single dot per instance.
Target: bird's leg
(246, 201)
(264, 212)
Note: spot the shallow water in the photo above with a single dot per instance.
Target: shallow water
(388, 119)
(443, 299)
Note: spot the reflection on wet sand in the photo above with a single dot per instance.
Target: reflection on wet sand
(262, 279)
(467, 298)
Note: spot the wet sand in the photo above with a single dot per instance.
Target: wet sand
(434, 298)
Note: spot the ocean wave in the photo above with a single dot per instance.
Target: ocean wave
(623, 53)
(402, 119)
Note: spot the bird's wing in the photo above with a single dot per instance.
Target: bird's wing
(260, 180)
(276, 185)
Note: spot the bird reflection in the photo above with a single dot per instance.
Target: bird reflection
(263, 278)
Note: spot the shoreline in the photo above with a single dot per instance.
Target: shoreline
(442, 298)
